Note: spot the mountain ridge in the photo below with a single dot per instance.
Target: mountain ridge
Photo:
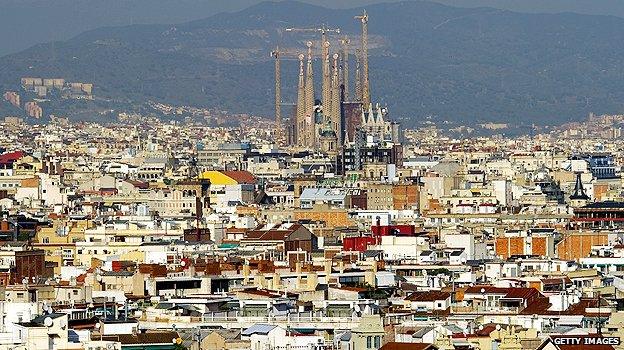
(461, 64)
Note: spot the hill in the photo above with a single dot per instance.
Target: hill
(426, 59)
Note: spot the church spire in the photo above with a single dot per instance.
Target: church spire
(308, 129)
(579, 191)
(327, 78)
(335, 100)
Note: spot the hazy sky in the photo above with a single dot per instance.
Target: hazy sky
(24, 23)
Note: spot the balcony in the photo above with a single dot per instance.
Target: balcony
(233, 320)
(484, 310)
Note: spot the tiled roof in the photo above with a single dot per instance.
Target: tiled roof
(240, 176)
(521, 293)
(10, 157)
(540, 306)
(428, 296)
(278, 233)
(407, 346)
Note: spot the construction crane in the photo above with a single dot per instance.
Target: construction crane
(365, 82)
(279, 55)
(358, 77)
(278, 89)
(326, 81)
(323, 29)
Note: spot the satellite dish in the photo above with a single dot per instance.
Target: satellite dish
(183, 263)
(48, 322)
(357, 308)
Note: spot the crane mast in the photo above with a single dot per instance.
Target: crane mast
(278, 92)
(279, 55)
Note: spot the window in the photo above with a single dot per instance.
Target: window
(377, 342)
(46, 239)
(369, 342)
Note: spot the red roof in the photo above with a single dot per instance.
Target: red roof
(81, 278)
(486, 330)
(138, 184)
(428, 296)
(271, 235)
(10, 157)
(522, 293)
(540, 306)
(278, 233)
(509, 293)
(407, 346)
(241, 176)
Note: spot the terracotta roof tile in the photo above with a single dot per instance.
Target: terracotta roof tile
(241, 176)
(407, 346)
(428, 296)
(11, 157)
